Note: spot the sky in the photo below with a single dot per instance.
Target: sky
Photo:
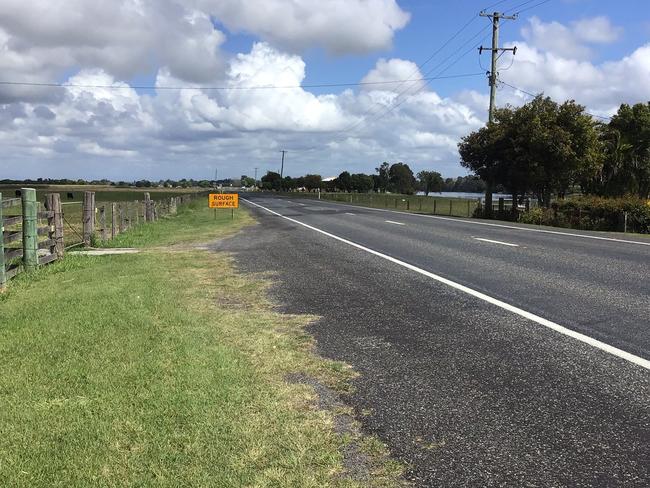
(248, 70)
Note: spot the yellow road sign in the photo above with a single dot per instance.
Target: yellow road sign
(223, 200)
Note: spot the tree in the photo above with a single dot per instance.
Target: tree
(401, 179)
(361, 183)
(344, 182)
(312, 182)
(247, 181)
(541, 147)
(383, 178)
(626, 139)
(272, 181)
(430, 181)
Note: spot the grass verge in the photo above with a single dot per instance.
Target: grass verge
(165, 368)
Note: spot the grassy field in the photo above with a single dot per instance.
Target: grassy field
(164, 368)
(458, 207)
(74, 193)
(104, 196)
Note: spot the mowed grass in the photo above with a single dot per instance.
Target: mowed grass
(102, 193)
(434, 205)
(164, 368)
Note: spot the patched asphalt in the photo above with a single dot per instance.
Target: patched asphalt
(463, 392)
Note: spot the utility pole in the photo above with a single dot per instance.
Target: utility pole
(495, 17)
(256, 177)
(216, 170)
(282, 167)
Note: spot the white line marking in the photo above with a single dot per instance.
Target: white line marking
(496, 242)
(393, 222)
(644, 363)
(349, 213)
(302, 204)
(490, 224)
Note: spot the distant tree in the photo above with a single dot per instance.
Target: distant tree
(401, 179)
(272, 181)
(344, 182)
(430, 181)
(383, 177)
(312, 182)
(247, 181)
(361, 183)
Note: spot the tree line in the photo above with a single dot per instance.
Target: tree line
(546, 150)
(393, 178)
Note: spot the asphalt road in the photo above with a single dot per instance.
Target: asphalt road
(460, 387)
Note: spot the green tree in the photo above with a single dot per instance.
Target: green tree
(362, 183)
(383, 177)
(312, 182)
(430, 181)
(247, 181)
(272, 181)
(401, 179)
(344, 182)
(541, 147)
(626, 169)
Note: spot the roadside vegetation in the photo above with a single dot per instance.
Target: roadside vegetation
(163, 368)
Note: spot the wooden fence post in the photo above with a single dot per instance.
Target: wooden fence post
(137, 212)
(30, 231)
(174, 207)
(102, 221)
(450, 204)
(121, 213)
(148, 209)
(88, 217)
(53, 204)
(469, 210)
(434, 206)
(113, 221)
(3, 276)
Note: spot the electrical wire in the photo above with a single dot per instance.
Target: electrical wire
(604, 117)
(226, 88)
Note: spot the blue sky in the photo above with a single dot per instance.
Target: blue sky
(594, 51)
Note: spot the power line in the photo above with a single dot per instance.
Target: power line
(227, 88)
(604, 117)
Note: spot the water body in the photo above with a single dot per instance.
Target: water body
(462, 194)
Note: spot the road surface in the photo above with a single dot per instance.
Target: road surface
(490, 355)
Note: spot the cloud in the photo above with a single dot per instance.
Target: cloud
(570, 41)
(601, 87)
(41, 39)
(341, 26)
(109, 132)
(391, 70)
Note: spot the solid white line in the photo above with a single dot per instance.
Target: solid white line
(496, 242)
(490, 224)
(644, 363)
(393, 222)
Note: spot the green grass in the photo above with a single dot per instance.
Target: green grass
(458, 207)
(193, 221)
(102, 193)
(164, 368)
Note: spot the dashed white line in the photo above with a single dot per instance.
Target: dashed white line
(349, 213)
(491, 224)
(639, 361)
(393, 222)
(496, 242)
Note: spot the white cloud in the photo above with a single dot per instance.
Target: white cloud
(341, 26)
(391, 70)
(601, 87)
(572, 41)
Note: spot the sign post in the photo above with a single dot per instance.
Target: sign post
(223, 200)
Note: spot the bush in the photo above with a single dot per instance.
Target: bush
(594, 213)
